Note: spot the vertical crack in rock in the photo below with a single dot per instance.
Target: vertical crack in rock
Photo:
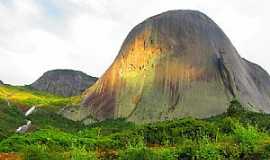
(225, 73)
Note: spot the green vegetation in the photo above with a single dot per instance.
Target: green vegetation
(14, 101)
(24, 96)
(237, 134)
(12, 117)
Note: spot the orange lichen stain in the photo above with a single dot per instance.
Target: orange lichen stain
(137, 57)
(9, 156)
(128, 70)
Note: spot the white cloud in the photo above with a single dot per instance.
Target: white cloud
(38, 35)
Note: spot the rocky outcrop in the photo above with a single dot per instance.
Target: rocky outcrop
(1, 83)
(64, 82)
(176, 64)
(75, 113)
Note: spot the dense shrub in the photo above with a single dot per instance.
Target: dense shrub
(207, 150)
(227, 125)
(235, 108)
(80, 154)
(259, 120)
(248, 138)
(40, 152)
(10, 118)
(141, 153)
(230, 150)
(43, 119)
(170, 132)
(128, 139)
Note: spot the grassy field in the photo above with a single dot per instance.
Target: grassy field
(24, 96)
(237, 134)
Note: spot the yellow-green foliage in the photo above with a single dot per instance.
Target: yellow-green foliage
(28, 97)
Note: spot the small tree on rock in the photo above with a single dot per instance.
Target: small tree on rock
(235, 108)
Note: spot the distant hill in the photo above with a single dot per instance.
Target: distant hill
(176, 64)
(64, 82)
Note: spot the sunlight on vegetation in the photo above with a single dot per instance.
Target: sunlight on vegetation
(27, 97)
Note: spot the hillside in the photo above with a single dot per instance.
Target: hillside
(176, 64)
(64, 82)
(237, 134)
(16, 100)
(26, 97)
(12, 117)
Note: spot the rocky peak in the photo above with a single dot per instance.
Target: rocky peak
(64, 82)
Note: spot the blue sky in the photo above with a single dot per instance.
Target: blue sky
(50, 8)
(86, 35)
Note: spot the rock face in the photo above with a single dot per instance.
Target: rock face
(1, 83)
(261, 79)
(176, 64)
(64, 82)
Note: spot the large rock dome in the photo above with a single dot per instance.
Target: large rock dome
(176, 64)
